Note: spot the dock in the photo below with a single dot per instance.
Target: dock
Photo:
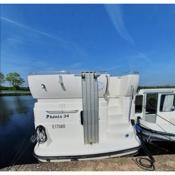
(162, 163)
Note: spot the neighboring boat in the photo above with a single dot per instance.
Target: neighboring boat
(84, 116)
(155, 114)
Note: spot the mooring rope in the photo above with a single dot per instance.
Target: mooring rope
(140, 160)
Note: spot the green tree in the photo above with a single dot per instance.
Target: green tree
(2, 78)
(14, 79)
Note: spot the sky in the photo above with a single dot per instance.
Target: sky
(119, 39)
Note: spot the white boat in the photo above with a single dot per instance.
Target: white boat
(156, 110)
(83, 116)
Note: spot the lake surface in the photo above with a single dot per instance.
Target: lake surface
(16, 129)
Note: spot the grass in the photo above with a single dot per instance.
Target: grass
(11, 91)
(14, 92)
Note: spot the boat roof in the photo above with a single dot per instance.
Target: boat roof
(64, 72)
(78, 72)
(157, 90)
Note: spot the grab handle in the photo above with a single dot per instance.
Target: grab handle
(106, 94)
(81, 117)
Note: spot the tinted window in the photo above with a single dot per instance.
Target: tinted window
(151, 103)
(138, 103)
(167, 103)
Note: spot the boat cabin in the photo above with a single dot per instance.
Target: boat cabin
(156, 110)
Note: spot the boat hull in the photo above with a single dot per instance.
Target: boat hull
(83, 117)
(120, 153)
(153, 135)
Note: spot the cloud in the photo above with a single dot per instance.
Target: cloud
(116, 15)
(64, 43)
(24, 26)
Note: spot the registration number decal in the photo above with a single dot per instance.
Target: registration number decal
(57, 126)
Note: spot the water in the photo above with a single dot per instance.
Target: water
(16, 128)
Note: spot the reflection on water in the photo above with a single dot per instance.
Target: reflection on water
(16, 128)
(21, 106)
(5, 111)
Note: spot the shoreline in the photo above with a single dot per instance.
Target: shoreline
(14, 93)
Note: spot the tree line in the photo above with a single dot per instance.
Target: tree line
(13, 78)
(16, 81)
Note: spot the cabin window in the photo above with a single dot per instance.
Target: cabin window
(167, 103)
(138, 103)
(151, 103)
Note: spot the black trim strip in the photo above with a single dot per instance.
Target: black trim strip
(85, 156)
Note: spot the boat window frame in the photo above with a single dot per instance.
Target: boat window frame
(160, 102)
